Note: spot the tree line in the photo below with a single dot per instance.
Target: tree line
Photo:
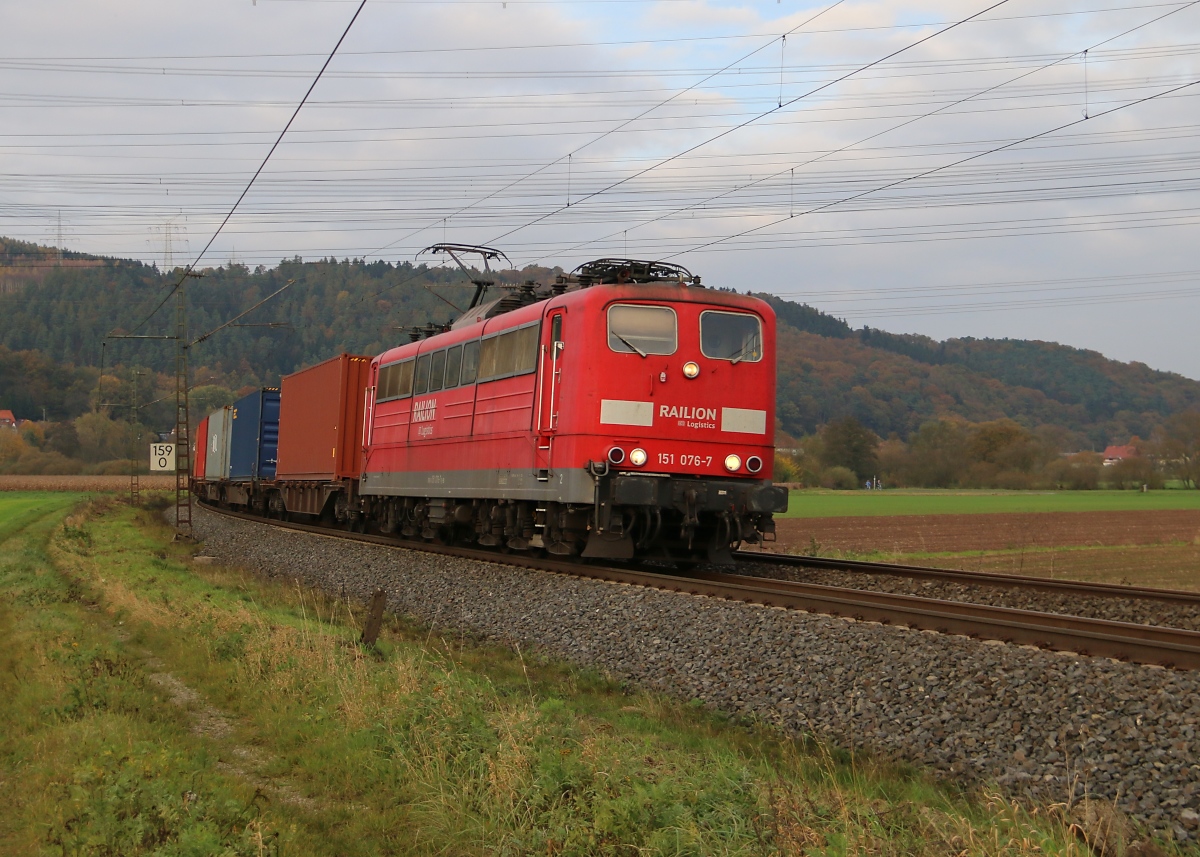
(948, 453)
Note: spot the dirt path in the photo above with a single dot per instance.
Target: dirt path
(211, 722)
(945, 533)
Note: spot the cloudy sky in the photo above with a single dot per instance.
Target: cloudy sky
(1001, 168)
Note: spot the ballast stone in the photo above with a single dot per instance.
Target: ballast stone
(1083, 726)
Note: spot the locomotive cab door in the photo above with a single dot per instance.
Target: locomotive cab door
(551, 353)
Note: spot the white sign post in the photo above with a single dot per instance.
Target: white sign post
(162, 457)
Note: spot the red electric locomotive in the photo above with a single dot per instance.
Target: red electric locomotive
(624, 411)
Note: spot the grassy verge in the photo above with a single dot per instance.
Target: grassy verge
(819, 503)
(153, 706)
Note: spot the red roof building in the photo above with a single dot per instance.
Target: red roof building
(7, 420)
(1113, 454)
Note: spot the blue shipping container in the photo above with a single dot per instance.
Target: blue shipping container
(254, 439)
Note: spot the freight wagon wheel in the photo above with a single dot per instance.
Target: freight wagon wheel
(443, 536)
(685, 561)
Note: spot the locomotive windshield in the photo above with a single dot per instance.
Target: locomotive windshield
(731, 336)
(641, 329)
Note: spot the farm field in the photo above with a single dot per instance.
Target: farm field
(1160, 566)
(817, 503)
(1146, 547)
(197, 709)
(157, 482)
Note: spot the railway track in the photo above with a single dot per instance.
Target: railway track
(1146, 644)
(1176, 597)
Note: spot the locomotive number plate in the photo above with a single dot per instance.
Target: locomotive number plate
(685, 460)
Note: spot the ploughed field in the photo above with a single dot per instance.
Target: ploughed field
(156, 482)
(1139, 546)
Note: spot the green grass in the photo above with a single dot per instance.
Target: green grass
(19, 509)
(93, 761)
(819, 503)
(420, 745)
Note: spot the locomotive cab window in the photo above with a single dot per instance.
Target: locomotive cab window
(637, 329)
(733, 336)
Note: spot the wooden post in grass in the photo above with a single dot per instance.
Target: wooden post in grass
(374, 618)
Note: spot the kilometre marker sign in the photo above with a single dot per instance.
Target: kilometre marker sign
(162, 456)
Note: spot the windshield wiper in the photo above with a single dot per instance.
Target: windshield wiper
(741, 352)
(630, 344)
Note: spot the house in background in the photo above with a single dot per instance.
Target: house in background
(1113, 454)
(8, 420)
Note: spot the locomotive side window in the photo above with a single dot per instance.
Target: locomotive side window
(386, 381)
(487, 358)
(395, 381)
(635, 329)
(404, 375)
(513, 352)
(556, 328)
(525, 343)
(421, 382)
(732, 336)
(437, 370)
(470, 362)
(453, 365)
(505, 355)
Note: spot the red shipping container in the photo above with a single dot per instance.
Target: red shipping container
(321, 420)
(199, 449)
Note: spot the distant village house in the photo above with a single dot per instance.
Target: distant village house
(1113, 454)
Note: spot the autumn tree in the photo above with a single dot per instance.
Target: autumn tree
(848, 443)
(1179, 447)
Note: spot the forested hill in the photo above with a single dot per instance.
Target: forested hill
(332, 306)
(894, 382)
(891, 382)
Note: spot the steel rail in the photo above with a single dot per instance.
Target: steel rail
(976, 578)
(1146, 644)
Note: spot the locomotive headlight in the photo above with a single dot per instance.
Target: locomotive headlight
(638, 457)
(754, 464)
(733, 463)
(691, 369)
(616, 455)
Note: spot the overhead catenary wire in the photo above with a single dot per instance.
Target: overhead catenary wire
(756, 118)
(352, 218)
(192, 265)
(583, 44)
(618, 127)
(940, 109)
(242, 314)
(935, 170)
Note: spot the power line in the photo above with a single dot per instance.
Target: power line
(762, 115)
(940, 109)
(942, 168)
(618, 128)
(559, 45)
(257, 172)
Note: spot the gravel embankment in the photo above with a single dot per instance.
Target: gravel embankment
(1040, 723)
(1139, 610)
